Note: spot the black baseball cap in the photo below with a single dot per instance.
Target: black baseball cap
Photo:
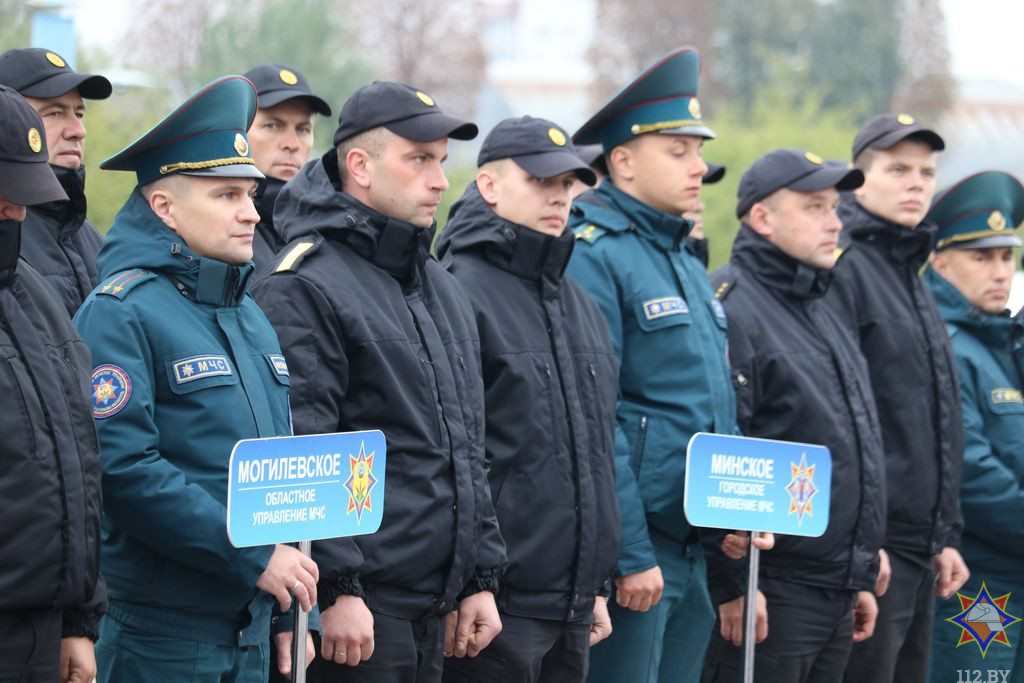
(715, 173)
(25, 174)
(37, 72)
(277, 83)
(793, 169)
(887, 130)
(403, 110)
(538, 146)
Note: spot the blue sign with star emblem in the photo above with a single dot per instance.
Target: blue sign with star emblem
(748, 484)
(304, 488)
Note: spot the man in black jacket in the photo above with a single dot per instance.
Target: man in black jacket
(280, 139)
(379, 336)
(57, 240)
(550, 382)
(878, 294)
(799, 376)
(51, 596)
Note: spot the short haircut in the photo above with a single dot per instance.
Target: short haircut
(372, 141)
(864, 160)
(177, 184)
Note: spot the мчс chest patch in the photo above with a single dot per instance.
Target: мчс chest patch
(197, 367)
(665, 306)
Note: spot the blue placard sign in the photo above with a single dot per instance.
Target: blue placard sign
(742, 483)
(304, 488)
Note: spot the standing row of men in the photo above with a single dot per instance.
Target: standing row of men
(537, 391)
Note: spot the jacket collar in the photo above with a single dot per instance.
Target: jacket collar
(910, 246)
(776, 269)
(473, 226)
(10, 247)
(139, 239)
(313, 201)
(667, 230)
(69, 215)
(998, 331)
(266, 197)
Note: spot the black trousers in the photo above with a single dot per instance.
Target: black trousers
(809, 638)
(527, 651)
(404, 651)
(30, 646)
(900, 649)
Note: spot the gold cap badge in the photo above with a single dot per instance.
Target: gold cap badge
(694, 108)
(557, 136)
(425, 98)
(55, 60)
(241, 145)
(813, 158)
(35, 141)
(997, 221)
(905, 119)
(288, 77)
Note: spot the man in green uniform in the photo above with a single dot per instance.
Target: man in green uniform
(185, 365)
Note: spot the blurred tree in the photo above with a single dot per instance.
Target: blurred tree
(862, 57)
(431, 44)
(925, 87)
(16, 26)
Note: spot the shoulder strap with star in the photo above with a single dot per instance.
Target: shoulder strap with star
(292, 256)
(119, 284)
(724, 281)
(592, 218)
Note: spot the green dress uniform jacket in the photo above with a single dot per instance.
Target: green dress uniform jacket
(669, 336)
(186, 365)
(989, 352)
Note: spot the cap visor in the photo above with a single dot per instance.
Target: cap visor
(551, 164)
(1007, 240)
(714, 174)
(29, 184)
(825, 177)
(433, 126)
(273, 99)
(90, 87)
(697, 131)
(228, 171)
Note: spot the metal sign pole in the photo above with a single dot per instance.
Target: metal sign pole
(299, 634)
(750, 611)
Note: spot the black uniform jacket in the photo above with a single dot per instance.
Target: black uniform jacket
(878, 293)
(266, 241)
(799, 376)
(550, 381)
(60, 244)
(379, 336)
(49, 455)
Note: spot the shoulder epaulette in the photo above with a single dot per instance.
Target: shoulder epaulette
(724, 280)
(293, 255)
(951, 330)
(119, 284)
(590, 233)
(838, 252)
(723, 290)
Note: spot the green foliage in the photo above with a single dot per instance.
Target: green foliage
(112, 125)
(773, 121)
(311, 35)
(16, 24)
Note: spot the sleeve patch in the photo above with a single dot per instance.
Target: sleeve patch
(111, 390)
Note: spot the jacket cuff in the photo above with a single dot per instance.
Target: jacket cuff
(605, 591)
(483, 580)
(329, 590)
(76, 623)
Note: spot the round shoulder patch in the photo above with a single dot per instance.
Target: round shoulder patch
(111, 390)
